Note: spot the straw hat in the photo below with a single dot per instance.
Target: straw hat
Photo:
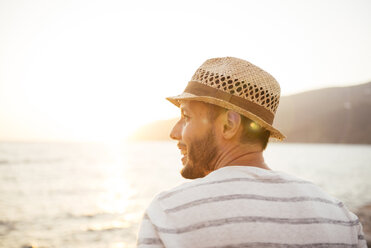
(238, 85)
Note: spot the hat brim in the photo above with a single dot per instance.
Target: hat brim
(274, 133)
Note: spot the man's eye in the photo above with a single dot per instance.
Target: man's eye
(186, 117)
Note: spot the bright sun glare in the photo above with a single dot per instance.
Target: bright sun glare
(83, 70)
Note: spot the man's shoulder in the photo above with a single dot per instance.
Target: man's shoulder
(179, 188)
(185, 188)
(211, 178)
(228, 180)
(252, 190)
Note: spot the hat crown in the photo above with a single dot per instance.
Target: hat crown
(240, 78)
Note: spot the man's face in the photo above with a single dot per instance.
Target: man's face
(196, 139)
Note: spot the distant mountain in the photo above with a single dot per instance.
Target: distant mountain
(331, 115)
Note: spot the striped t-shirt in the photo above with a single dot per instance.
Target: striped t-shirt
(242, 206)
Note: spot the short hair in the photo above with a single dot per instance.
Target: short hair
(252, 132)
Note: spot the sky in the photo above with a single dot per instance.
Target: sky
(85, 70)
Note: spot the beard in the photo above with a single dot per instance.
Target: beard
(201, 153)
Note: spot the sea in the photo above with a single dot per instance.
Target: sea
(94, 194)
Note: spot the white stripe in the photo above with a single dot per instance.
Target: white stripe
(286, 245)
(254, 219)
(197, 193)
(263, 232)
(209, 183)
(249, 197)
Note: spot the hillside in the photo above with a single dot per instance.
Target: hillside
(331, 115)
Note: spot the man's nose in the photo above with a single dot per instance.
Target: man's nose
(176, 132)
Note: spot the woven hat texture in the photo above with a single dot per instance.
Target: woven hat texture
(238, 85)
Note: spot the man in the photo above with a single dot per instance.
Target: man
(236, 200)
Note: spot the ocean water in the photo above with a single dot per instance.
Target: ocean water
(93, 195)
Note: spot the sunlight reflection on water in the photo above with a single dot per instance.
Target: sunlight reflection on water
(93, 195)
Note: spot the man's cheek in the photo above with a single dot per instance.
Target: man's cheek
(186, 131)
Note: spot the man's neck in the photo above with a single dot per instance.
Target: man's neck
(242, 156)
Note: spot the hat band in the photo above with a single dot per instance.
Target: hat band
(201, 89)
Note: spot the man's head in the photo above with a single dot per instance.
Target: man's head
(233, 102)
(206, 131)
(251, 134)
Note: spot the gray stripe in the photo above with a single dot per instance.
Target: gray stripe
(248, 197)
(248, 219)
(280, 245)
(361, 237)
(243, 179)
(149, 241)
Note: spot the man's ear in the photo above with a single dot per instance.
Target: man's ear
(232, 123)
